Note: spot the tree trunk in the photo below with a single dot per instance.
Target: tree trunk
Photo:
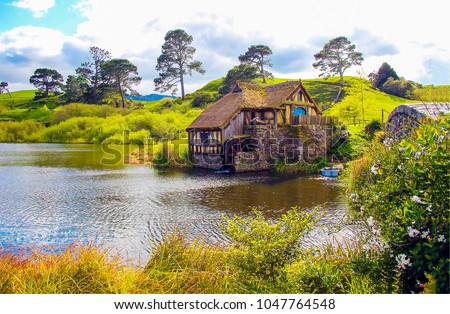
(182, 86)
(121, 92)
(338, 95)
(262, 72)
(341, 75)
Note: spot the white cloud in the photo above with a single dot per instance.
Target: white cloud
(26, 48)
(391, 31)
(38, 7)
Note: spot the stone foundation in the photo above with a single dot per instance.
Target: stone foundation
(213, 162)
(287, 144)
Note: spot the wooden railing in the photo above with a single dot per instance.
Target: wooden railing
(313, 120)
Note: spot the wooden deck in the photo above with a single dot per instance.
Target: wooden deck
(313, 120)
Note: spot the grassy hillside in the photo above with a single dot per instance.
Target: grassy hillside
(359, 96)
(72, 122)
(20, 106)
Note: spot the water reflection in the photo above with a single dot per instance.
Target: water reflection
(58, 194)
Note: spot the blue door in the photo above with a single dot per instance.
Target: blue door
(299, 112)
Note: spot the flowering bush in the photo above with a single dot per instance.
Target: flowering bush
(400, 190)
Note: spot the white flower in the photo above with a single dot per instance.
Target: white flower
(388, 142)
(354, 197)
(425, 234)
(374, 169)
(362, 208)
(370, 221)
(416, 199)
(402, 261)
(440, 139)
(429, 208)
(400, 167)
(417, 155)
(401, 149)
(413, 232)
(441, 238)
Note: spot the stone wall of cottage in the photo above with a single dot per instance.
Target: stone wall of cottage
(206, 161)
(288, 144)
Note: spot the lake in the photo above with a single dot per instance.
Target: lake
(56, 194)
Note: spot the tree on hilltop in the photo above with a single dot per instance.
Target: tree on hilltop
(4, 86)
(176, 61)
(257, 55)
(75, 88)
(46, 80)
(337, 56)
(119, 75)
(90, 73)
(384, 73)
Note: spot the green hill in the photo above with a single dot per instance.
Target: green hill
(358, 96)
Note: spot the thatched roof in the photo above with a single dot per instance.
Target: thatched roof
(247, 96)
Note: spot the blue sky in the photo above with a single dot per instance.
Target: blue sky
(57, 34)
(62, 16)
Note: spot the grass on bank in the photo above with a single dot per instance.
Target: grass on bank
(250, 264)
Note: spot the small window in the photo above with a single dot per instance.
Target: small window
(300, 96)
(204, 137)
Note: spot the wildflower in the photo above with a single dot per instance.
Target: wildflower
(425, 234)
(440, 139)
(388, 142)
(374, 169)
(370, 221)
(402, 261)
(413, 232)
(354, 197)
(441, 238)
(429, 208)
(400, 167)
(401, 149)
(362, 209)
(416, 199)
(417, 155)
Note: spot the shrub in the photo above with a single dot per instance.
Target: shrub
(17, 132)
(401, 193)
(261, 249)
(172, 154)
(201, 99)
(373, 127)
(400, 88)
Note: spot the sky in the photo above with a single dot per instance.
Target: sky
(409, 35)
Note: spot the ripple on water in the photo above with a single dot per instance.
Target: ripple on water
(128, 207)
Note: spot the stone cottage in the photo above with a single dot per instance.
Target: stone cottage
(253, 126)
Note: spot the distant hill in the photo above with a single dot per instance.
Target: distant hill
(151, 97)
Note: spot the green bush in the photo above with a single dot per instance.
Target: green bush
(401, 193)
(84, 110)
(261, 249)
(201, 99)
(17, 132)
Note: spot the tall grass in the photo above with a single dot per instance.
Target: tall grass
(177, 266)
(181, 266)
